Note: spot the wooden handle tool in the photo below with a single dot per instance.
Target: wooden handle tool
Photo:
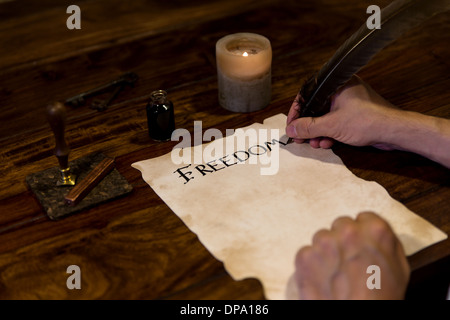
(56, 116)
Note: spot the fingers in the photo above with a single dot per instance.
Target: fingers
(311, 270)
(315, 142)
(367, 230)
(326, 143)
(376, 227)
(380, 232)
(306, 128)
(316, 265)
(322, 142)
(325, 243)
(335, 264)
(294, 111)
(299, 140)
(347, 237)
(387, 244)
(310, 128)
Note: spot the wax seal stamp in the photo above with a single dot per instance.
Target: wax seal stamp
(56, 115)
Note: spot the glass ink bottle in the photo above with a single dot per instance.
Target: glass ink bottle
(160, 116)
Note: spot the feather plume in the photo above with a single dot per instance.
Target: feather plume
(359, 49)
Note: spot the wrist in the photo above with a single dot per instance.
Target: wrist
(422, 134)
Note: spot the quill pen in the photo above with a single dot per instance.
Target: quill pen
(358, 50)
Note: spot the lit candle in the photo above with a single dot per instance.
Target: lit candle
(244, 72)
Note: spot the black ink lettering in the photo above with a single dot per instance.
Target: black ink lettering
(225, 162)
(257, 146)
(241, 160)
(184, 175)
(213, 166)
(274, 141)
(202, 170)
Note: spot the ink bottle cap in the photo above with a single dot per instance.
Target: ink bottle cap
(160, 116)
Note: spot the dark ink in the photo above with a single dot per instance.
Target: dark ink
(257, 147)
(241, 160)
(213, 166)
(274, 141)
(202, 170)
(183, 174)
(160, 116)
(225, 162)
(229, 160)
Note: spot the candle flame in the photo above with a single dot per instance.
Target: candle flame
(245, 54)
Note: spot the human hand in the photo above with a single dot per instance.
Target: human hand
(335, 265)
(357, 117)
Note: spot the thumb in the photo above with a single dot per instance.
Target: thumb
(309, 128)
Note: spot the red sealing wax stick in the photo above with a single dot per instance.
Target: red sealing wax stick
(89, 182)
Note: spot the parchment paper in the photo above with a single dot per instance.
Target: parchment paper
(255, 223)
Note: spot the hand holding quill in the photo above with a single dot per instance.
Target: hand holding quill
(359, 49)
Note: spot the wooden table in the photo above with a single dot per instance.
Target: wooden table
(135, 247)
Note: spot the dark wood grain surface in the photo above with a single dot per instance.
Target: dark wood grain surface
(135, 247)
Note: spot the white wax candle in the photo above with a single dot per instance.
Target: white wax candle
(244, 56)
(244, 71)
